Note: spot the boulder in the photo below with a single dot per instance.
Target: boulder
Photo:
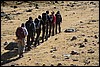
(30, 10)
(70, 30)
(74, 52)
(73, 38)
(90, 51)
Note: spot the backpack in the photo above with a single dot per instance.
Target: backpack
(20, 33)
(37, 24)
(44, 17)
(58, 18)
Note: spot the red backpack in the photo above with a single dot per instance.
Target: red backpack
(20, 33)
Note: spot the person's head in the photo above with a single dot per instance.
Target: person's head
(47, 12)
(36, 20)
(52, 12)
(22, 25)
(58, 12)
(39, 17)
(30, 18)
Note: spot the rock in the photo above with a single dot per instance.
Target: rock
(90, 51)
(74, 52)
(66, 56)
(12, 65)
(96, 36)
(75, 59)
(81, 21)
(54, 7)
(53, 56)
(59, 64)
(56, 38)
(73, 65)
(3, 14)
(81, 45)
(51, 65)
(86, 61)
(72, 5)
(92, 3)
(36, 6)
(43, 65)
(85, 40)
(73, 38)
(6, 43)
(30, 10)
(15, 7)
(30, 59)
(70, 30)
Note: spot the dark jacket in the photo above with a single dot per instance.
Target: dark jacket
(58, 18)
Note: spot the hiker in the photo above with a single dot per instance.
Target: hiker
(58, 21)
(45, 29)
(21, 33)
(53, 22)
(38, 29)
(31, 32)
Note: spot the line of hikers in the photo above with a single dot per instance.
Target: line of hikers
(47, 24)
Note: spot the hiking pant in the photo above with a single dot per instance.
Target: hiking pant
(43, 33)
(38, 31)
(49, 29)
(21, 46)
(58, 24)
(30, 42)
(46, 29)
(53, 27)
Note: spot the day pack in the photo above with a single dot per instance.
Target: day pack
(20, 33)
(44, 17)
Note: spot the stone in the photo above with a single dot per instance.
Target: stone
(90, 51)
(74, 52)
(75, 59)
(53, 56)
(66, 56)
(15, 7)
(30, 10)
(96, 36)
(3, 14)
(59, 64)
(86, 61)
(81, 45)
(70, 30)
(6, 43)
(85, 40)
(81, 21)
(72, 65)
(56, 38)
(73, 38)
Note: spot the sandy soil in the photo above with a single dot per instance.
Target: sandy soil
(79, 16)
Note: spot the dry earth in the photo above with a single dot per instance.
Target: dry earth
(81, 15)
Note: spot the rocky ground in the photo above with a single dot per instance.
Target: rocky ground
(75, 48)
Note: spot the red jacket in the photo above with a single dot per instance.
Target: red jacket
(54, 19)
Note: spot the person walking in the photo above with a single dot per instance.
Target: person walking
(21, 33)
(31, 32)
(58, 21)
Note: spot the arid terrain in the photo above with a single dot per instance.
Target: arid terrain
(78, 48)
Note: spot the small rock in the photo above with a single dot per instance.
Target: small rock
(53, 56)
(12, 65)
(51, 51)
(81, 21)
(51, 65)
(15, 7)
(6, 43)
(86, 61)
(73, 38)
(74, 52)
(90, 51)
(66, 56)
(85, 40)
(72, 65)
(30, 59)
(82, 45)
(56, 38)
(54, 7)
(30, 10)
(70, 30)
(96, 36)
(75, 59)
(43, 65)
(59, 64)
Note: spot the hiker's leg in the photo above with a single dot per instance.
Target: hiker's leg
(47, 32)
(19, 48)
(43, 33)
(59, 28)
(36, 38)
(28, 41)
(56, 28)
(39, 36)
(53, 30)
(50, 30)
